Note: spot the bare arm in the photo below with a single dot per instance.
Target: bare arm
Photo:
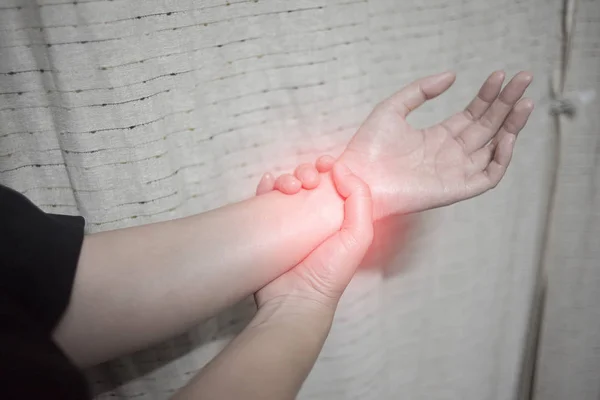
(273, 356)
(270, 359)
(137, 286)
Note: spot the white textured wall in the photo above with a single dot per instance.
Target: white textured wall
(132, 112)
(569, 363)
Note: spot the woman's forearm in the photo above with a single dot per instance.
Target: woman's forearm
(270, 359)
(137, 286)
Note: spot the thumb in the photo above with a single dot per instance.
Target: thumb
(331, 266)
(418, 92)
(358, 207)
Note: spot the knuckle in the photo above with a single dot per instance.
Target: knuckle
(461, 141)
(353, 243)
(511, 127)
(486, 122)
(348, 240)
(388, 105)
(469, 115)
(359, 187)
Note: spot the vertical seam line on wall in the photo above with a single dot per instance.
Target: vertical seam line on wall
(529, 368)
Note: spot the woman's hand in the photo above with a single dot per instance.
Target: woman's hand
(273, 355)
(322, 277)
(410, 170)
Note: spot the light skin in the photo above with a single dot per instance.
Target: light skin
(272, 356)
(411, 170)
(138, 286)
(293, 321)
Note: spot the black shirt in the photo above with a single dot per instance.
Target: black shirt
(38, 259)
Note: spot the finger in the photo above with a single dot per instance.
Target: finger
(516, 120)
(308, 176)
(477, 135)
(331, 266)
(514, 123)
(488, 92)
(358, 209)
(478, 106)
(325, 163)
(288, 184)
(266, 184)
(493, 173)
(418, 92)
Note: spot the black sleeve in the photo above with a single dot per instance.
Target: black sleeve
(39, 254)
(38, 257)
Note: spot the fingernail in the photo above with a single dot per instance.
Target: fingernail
(295, 184)
(528, 76)
(528, 103)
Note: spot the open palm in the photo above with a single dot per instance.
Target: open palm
(410, 170)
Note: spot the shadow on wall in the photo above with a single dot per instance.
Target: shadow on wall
(110, 376)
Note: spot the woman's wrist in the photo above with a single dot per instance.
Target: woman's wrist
(296, 311)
